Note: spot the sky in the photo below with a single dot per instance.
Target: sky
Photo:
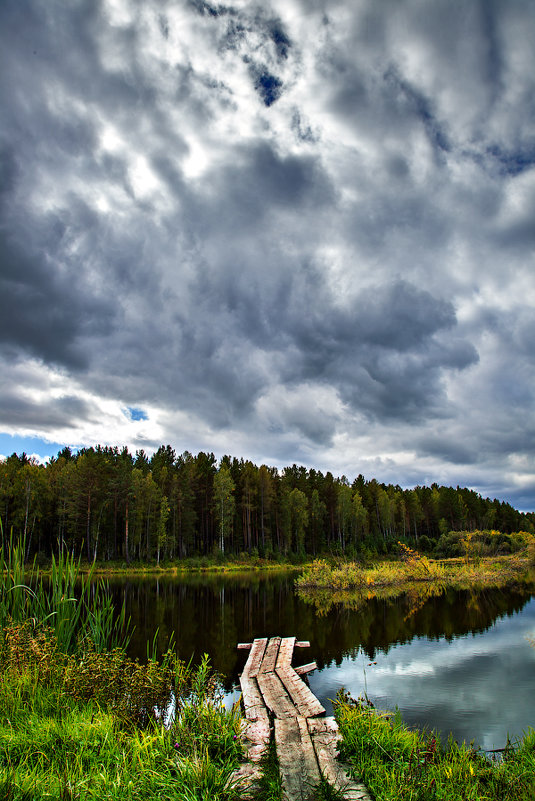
(290, 231)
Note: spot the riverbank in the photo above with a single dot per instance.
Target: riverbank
(192, 565)
(83, 727)
(396, 762)
(79, 719)
(90, 726)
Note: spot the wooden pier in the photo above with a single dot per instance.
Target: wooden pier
(306, 740)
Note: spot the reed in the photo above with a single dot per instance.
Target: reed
(69, 602)
(410, 569)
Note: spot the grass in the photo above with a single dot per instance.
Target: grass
(397, 763)
(90, 726)
(191, 565)
(411, 568)
(71, 604)
(324, 585)
(81, 720)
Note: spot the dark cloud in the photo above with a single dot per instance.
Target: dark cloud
(295, 224)
(43, 311)
(443, 448)
(20, 411)
(279, 38)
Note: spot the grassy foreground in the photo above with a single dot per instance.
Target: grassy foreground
(90, 725)
(397, 763)
(81, 720)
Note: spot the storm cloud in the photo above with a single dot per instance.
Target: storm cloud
(288, 231)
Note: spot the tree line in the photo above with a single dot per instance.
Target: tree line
(109, 504)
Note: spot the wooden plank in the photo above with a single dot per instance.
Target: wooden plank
(270, 657)
(246, 780)
(302, 696)
(298, 775)
(309, 756)
(255, 657)
(253, 703)
(275, 696)
(302, 644)
(255, 737)
(308, 668)
(325, 737)
(244, 646)
(286, 649)
(255, 708)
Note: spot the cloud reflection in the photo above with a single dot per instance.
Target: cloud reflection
(474, 685)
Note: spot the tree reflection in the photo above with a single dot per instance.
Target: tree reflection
(212, 613)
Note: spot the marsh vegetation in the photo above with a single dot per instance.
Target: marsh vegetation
(80, 719)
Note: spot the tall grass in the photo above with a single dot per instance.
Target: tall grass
(398, 763)
(81, 720)
(71, 603)
(90, 726)
(412, 567)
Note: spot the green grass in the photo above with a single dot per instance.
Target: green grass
(397, 763)
(84, 726)
(70, 603)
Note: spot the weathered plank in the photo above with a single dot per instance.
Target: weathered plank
(325, 737)
(275, 696)
(308, 668)
(304, 699)
(256, 735)
(309, 756)
(307, 746)
(298, 772)
(286, 650)
(256, 656)
(255, 708)
(244, 646)
(302, 644)
(253, 702)
(270, 657)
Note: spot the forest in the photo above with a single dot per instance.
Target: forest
(107, 504)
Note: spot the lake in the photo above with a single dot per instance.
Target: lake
(455, 661)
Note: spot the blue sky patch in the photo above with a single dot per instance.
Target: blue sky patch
(134, 413)
(18, 444)
(269, 87)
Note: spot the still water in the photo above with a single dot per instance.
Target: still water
(460, 662)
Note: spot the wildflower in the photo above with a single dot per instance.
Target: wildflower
(176, 745)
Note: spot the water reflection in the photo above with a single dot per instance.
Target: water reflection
(453, 660)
